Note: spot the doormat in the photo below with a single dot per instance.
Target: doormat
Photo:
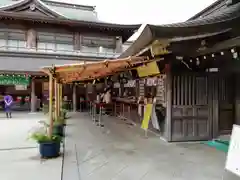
(221, 145)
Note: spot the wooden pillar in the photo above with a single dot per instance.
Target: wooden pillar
(60, 96)
(56, 99)
(59, 107)
(74, 97)
(168, 119)
(33, 96)
(50, 105)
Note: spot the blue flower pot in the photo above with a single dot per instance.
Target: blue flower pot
(49, 149)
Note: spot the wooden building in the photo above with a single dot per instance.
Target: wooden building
(202, 67)
(37, 33)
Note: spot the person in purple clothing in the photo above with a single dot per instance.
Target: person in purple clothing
(8, 101)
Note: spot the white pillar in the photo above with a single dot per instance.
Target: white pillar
(74, 97)
(33, 96)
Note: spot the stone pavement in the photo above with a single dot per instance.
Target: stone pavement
(121, 152)
(19, 157)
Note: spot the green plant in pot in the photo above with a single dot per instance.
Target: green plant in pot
(58, 126)
(49, 145)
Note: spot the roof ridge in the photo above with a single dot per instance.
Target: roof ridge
(70, 5)
(22, 2)
(46, 6)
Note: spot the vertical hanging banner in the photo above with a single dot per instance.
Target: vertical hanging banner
(147, 116)
(149, 69)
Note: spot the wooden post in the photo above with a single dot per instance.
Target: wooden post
(74, 97)
(168, 124)
(33, 96)
(59, 107)
(60, 96)
(56, 99)
(50, 105)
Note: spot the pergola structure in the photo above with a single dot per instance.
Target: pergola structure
(81, 72)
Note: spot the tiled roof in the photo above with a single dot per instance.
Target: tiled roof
(6, 2)
(218, 21)
(217, 5)
(219, 16)
(73, 12)
(69, 11)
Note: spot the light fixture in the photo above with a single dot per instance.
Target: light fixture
(190, 60)
(213, 55)
(222, 53)
(197, 62)
(179, 57)
(235, 55)
(232, 50)
(204, 57)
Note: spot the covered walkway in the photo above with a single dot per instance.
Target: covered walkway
(121, 152)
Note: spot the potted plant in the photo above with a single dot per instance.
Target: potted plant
(49, 146)
(58, 126)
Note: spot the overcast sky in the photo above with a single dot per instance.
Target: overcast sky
(145, 11)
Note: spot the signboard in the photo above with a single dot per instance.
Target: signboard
(130, 83)
(161, 89)
(156, 81)
(20, 87)
(14, 80)
(147, 116)
(159, 47)
(148, 69)
(233, 157)
(151, 81)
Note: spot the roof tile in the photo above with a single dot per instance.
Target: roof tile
(70, 11)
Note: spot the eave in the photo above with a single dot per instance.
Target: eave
(226, 19)
(228, 44)
(180, 40)
(12, 7)
(123, 30)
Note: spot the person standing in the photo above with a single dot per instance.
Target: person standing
(8, 101)
(107, 99)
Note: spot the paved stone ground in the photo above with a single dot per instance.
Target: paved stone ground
(121, 152)
(19, 157)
